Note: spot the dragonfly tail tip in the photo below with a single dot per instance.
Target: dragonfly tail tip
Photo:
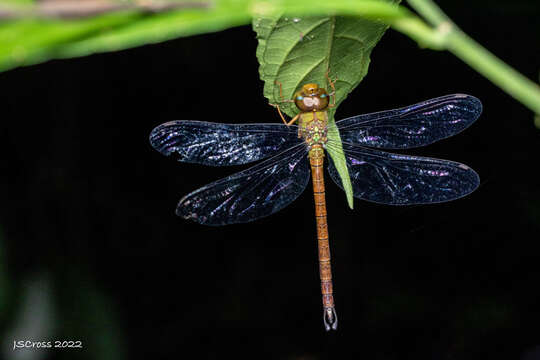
(330, 319)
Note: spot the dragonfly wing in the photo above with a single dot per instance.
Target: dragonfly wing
(222, 144)
(412, 126)
(250, 194)
(397, 179)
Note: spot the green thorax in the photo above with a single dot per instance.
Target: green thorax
(313, 127)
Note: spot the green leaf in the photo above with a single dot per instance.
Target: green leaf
(30, 40)
(294, 51)
(17, 2)
(338, 157)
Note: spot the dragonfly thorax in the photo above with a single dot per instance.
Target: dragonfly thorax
(311, 98)
(315, 131)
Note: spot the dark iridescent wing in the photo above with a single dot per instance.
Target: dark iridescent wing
(250, 194)
(222, 144)
(412, 126)
(396, 179)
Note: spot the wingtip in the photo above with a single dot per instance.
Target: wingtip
(477, 106)
(475, 103)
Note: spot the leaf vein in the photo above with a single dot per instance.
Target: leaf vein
(350, 37)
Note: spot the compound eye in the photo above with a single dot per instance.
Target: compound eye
(299, 98)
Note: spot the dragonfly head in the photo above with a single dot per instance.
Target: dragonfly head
(311, 98)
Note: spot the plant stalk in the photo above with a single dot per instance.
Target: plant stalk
(469, 51)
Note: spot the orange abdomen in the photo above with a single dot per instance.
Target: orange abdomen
(316, 160)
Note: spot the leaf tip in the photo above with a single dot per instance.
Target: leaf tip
(350, 201)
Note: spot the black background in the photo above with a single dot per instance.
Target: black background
(88, 205)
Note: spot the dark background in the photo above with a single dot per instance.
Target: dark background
(91, 249)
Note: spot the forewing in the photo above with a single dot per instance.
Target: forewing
(396, 179)
(412, 126)
(250, 194)
(222, 144)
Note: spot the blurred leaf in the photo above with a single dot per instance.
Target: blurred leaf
(294, 51)
(32, 40)
(18, 2)
(29, 34)
(34, 319)
(86, 314)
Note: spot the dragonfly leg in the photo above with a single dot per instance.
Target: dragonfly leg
(280, 114)
(331, 83)
(282, 100)
(281, 92)
(294, 119)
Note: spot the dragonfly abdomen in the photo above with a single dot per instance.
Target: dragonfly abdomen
(316, 160)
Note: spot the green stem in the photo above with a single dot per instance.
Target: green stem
(419, 31)
(493, 68)
(469, 51)
(430, 11)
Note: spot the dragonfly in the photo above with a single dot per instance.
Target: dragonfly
(294, 149)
